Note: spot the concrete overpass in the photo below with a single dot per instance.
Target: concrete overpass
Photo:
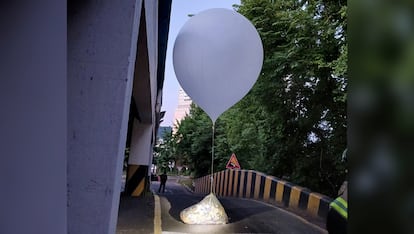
(115, 64)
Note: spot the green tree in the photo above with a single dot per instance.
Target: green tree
(194, 142)
(302, 87)
(193, 139)
(165, 151)
(292, 124)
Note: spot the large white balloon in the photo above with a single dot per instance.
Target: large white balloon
(217, 57)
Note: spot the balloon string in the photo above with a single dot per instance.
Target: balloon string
(212, 161)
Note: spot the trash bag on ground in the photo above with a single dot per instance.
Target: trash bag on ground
(207, 211)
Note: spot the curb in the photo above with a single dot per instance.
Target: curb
(157, 215)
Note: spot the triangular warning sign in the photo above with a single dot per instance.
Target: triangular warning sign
(233, 163)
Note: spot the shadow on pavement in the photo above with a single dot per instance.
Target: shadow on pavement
(136, 215)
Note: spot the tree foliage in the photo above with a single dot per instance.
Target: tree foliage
(292, 124)
(165, 151)
(194, 139)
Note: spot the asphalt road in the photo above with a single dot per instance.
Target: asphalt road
(245, 216)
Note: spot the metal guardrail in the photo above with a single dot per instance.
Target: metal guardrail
(256, 185)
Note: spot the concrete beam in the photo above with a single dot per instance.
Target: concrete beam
(141, 147)
(142, 84)
(102, 40)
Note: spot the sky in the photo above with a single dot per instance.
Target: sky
(180, 10)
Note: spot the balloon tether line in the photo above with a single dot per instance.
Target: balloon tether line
(212, 161)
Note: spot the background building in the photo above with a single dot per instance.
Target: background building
(183, 107)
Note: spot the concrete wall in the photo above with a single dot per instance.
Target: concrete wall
(256, 185)
(102, 42)
(33, 117)
(65, 110)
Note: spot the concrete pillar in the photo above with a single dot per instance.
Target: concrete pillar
(102, 44)
(139, 159)
(144, 92)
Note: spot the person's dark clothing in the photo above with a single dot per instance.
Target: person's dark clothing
(335, 223)
(163, 179)
(337, 219)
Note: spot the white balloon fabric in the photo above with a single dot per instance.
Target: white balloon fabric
(217, 57)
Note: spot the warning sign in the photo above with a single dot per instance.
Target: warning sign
(233, 163)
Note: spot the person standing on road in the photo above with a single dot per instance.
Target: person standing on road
(337, 219)
(163, 181)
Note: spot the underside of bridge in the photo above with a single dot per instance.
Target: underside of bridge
(116, 61)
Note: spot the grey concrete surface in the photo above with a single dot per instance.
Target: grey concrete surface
(136, 215)
(101, 45)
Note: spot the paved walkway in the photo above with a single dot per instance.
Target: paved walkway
(139, 215)
(136, 215)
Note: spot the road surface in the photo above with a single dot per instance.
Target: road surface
(245, 216)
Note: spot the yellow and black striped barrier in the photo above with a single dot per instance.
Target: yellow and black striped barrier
(256, 185)
(136, 180)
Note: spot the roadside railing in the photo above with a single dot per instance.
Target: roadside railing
(259, 186)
